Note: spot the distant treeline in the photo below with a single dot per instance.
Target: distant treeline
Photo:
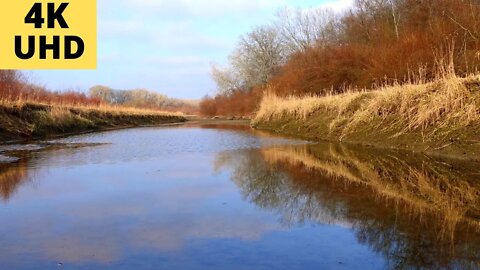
(15, 87)
(142, 98)
(318, 51)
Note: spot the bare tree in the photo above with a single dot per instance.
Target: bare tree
(104, 93)
(11, 82)
(227, 79)
(255, 60)
(258, 56)
(300, 29)
(139, 98)
(395, 19)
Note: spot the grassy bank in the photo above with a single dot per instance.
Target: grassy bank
(25, 120)
(441, 117)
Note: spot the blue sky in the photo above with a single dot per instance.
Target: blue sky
(168, 45)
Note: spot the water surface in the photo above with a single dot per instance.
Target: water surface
(227, 197)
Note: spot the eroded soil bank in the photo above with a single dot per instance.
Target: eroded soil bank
(40, 121)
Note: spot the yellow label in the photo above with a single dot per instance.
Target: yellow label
(34, 29)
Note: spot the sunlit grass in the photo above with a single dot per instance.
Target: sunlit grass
(447, 102)
(24, 119)
(57, 107)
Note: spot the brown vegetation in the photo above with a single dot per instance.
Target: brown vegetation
(27, 120)
(375, 43)
(438, 117)
(28, 111)
(374, 49)
(14, 87)
(142, 98)
(238, 103)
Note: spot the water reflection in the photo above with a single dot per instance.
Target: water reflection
(416, 211)
(150, 199)
(16, 168)
(11, 178)
(145, 200)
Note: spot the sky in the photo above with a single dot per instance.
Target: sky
(168, 46)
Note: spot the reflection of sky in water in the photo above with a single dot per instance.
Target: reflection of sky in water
(149, 143)
(151, 199)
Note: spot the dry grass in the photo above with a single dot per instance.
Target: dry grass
(25, 119)
(106, 108)
(449, 102)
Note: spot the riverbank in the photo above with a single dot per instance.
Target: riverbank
(440, 118)
(23, 121)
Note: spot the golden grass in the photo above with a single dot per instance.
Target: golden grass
(447, 102)
(105, 108)
(26, 119)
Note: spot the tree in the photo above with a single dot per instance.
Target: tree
(259, 55)
(104, 93)
(255, 60)
(11, 83)
(227, 79)
(301, 29)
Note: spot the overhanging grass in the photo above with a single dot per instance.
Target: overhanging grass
(442, 116)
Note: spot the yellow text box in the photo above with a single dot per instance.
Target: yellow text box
(81, 17)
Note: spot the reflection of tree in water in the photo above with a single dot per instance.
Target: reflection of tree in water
(261, 185)
(12, 176)
(417, 211)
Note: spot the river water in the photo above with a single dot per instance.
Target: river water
(228, 197)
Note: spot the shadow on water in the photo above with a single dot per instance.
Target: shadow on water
(416, 211)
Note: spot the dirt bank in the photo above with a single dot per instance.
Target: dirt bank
(27, 121)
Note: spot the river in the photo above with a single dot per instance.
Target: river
(228, 197)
